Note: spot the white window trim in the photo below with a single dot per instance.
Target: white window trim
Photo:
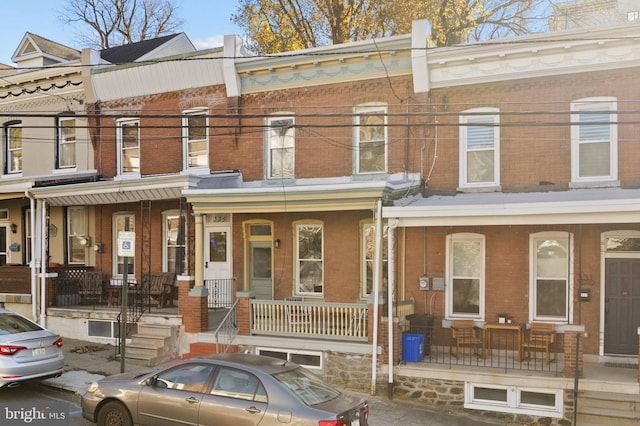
(533, 238)
(363, 256)
(119, 124)
(576, 106)
(463, 120)
(296, 227)
(63, 141)
(289, 352)
(279, 117)
(513, 403)
(368, 109)
(9, 170)
(83, 209)
(185, 141)
(449, 276)
(165, 248)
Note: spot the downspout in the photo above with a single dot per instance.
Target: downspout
(390, 285)
(43, 267)
(32, 255)
(376, 287)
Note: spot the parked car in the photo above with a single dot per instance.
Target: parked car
(27, 351)
(222, 389)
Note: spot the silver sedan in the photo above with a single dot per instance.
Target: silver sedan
(27, 351)
(224, 389)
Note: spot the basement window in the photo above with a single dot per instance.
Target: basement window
(514, 399)
(110, 329)
(310, 360)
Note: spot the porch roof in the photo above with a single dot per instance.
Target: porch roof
(576, 206)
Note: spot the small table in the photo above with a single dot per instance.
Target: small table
(516, 326)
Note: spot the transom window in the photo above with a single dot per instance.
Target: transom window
(479, 148)
(196, 138)
(594, 140)
(66, 156)
(465, 275)
(371, 139)
(129, 146)
(550, 268)
(13, 147)
(309, 258)
(281, 147)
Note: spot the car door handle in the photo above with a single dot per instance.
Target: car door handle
(192, 400)
(253, 410)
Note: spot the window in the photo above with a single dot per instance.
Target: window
(308, 359)
(479, 148)
(66, 155)
(371, 139)
(550, 287)
(633, 16)
(281, 147)
(514, 399)
(13, 146)
(119, 225)
(196, 139)
(238, 384)
(594, 140)
(186, 377)
(175, 252)
(76, 235)
(129, 147)
(368, 240)
(465, 275)
(309, 258)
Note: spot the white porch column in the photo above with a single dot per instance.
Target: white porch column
(199, 250)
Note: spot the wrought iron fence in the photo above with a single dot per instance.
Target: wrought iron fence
(220, 292)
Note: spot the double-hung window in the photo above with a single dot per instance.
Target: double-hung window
(76, 234)
(195, 134)
(280, 147)
(175, 253)
(371, 139)
(550, 287)
(368, 241)
(66, 150)
(13, 147)
(465, 275)
(594, 140)
(128, 147)
(479, 148)
(309, 252)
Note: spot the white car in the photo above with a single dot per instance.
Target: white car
(27, 351)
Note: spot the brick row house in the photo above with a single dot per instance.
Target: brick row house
(315, 205)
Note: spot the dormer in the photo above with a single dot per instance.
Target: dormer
(35, 51)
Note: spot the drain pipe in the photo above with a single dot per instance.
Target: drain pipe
(390, 285)
(376, 287)
(32, 262)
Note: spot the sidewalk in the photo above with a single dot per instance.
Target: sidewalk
(86, 362)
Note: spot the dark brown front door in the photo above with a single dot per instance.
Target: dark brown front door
(622, 306)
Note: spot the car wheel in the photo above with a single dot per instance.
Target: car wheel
(114, 414)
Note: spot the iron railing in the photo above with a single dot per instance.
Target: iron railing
(220, 292)
(227, 330)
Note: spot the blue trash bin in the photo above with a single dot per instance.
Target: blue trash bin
(412, 347)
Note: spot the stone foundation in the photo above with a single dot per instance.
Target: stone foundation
(348, 371)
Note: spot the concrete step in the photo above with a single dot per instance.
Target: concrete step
(155, 329)
(612, 409)
(602, 416)
(144, 339)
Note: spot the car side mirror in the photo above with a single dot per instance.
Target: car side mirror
(153, 380)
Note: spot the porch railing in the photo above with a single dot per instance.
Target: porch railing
(220, 292)
(342, 321)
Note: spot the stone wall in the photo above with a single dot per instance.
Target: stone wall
(348, 371)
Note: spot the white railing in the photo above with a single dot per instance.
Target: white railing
(346, 321)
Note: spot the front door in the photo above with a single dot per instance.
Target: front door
(260, 276)
(218, 265)
(622, 306)
(3, 245)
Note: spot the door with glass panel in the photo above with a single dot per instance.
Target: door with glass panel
(218, 265)
(3, 245)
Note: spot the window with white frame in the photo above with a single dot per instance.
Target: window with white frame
(128, 146)
(66, 153)
(196, 138)
(367, 244)
(465, 275)
(594, 140)
(550, 267)
(175, 247)
(309, 258)
(76, 235)
(371, 139)
(308, 359)
(514, 399)
(13, 147)
(119, 225)
(280, 147)
(479, 148)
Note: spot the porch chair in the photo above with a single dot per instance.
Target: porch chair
(159, 286)
(465, 334)
(540, 337)
(91, 287)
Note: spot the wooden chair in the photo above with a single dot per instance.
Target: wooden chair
(91, 288)
(540, 337)
(159, 286)
(465, 334)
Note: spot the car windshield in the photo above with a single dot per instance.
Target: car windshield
(310, 388)
(11, 323)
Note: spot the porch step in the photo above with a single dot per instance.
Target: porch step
(152, 344)
(155, 329)
(612, 409)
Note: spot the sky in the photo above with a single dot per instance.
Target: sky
(205, 22)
